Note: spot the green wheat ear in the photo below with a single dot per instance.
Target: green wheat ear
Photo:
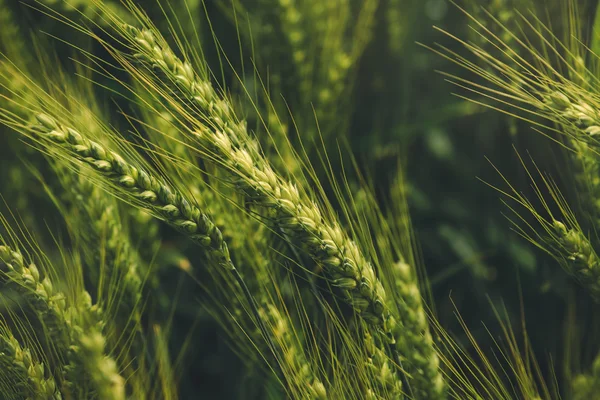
(75, 340)
(226, 140)
(23, 376)
(314, 282)
(561, 95)
(551, 84)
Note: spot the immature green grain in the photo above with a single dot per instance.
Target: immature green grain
(119, 282)
(90, 372)
(50, 305)
(103, 233)
(581, 123)
(281, 348)
(343, 29)
(292, 25)
(586, 170)
(391, 232)
(289, 353)
(416, 337)
(580, 259)
(384, 375)
(561, 95)
(21, 376)
(227, 141)
(139, 185)
(74, 342)
(179, 161)
(577, 111)
(151, 192)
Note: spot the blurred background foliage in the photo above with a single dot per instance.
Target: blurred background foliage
(396, 111)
